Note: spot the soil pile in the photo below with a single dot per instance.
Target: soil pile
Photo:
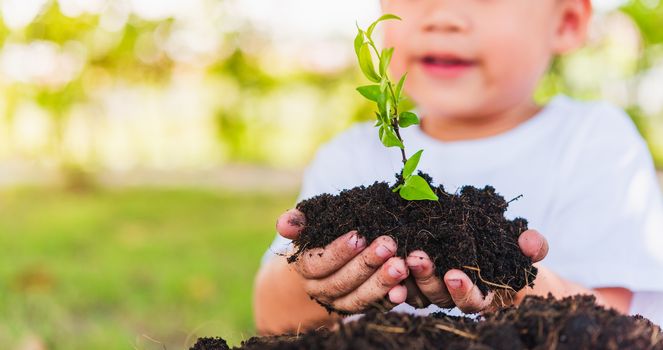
(466, 231)
(538, 323)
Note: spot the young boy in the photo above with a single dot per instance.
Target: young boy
(587, 178)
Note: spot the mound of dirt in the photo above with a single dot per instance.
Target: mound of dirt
(538, 323)
(465, 231)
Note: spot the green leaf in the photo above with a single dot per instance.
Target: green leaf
(384, 83)
(407, 119)
(371, 92)
(389, 138)
(369, 32)
(382, 118)
(411, 164)
(359, 40)
(416, 188)
(399, 87)
(366, 63)
(385, 59)
(382, 103)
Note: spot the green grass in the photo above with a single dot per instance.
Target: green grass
(122, 269)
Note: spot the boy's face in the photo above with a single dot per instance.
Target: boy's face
(476, 58)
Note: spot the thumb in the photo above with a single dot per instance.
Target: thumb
(291, 223)
(533, 245)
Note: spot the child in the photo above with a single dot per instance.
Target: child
(586, 176)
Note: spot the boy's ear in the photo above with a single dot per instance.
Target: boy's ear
(573, 23)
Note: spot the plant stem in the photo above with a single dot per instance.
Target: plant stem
(398, 134)
(394, 122)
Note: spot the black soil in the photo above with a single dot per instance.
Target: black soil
(466, 230)
(538, 323)
(210, 344)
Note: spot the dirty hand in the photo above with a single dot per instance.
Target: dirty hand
(456, 288)
(347, 275)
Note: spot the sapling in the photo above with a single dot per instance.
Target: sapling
(391, 116)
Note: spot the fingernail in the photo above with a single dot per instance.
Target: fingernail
(356, 241)
(454, 283)
(361, 242)
(417, 268)
(392, 297)
(393, 272)
(540, 246)
(296, 219)
(383, 252)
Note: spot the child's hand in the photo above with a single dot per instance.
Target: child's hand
(347, 275)
(456, 288)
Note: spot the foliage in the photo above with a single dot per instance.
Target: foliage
(250, 129)
(391, 116)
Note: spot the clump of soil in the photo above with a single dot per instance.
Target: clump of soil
(538, 323)
(210, 344)
(466, 231)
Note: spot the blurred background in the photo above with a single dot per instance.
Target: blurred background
(147, 146)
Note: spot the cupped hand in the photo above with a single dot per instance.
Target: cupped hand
(347, 275)
(456, 288)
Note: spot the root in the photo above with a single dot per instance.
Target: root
(492, 284)
(527, 281)
(386, 329)
(502, 295)
(455, 331)
(515, 199)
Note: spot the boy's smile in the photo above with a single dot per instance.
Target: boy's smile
(445, 65)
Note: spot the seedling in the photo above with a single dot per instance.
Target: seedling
(391, 116)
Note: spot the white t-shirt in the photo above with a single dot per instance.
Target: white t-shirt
(586, 176)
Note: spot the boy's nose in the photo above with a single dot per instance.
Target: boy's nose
(440, 18)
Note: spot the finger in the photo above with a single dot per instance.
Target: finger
(322, 262)
(398, 294)
(355, 272)
(414, 295)
(533, 245)
(375, 288)
(430, 285)
(291, 223)
(467, 296)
